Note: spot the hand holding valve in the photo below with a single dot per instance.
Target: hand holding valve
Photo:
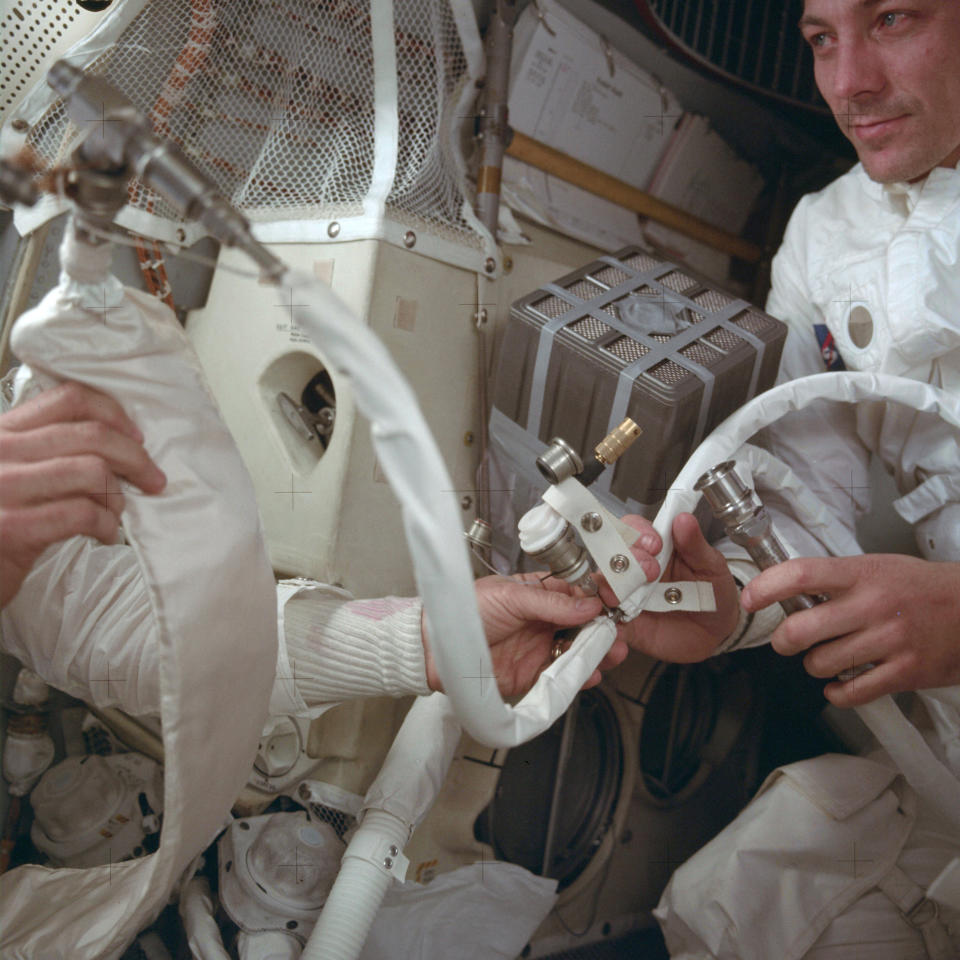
(748, 524)
(547, 534)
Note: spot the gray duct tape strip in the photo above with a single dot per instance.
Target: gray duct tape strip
(521, 448)
(579, 309)
(718, 318)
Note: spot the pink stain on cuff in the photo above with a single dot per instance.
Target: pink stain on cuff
(380, 608)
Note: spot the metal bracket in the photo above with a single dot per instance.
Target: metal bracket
(608, 539)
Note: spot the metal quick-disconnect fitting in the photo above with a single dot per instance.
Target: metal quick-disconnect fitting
(559, 461)
(747, 522)
(549, 539)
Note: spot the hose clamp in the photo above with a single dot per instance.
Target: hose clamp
(385, 855)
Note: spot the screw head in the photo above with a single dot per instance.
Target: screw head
(468, 438)
(333, 229)
(490, 265)
(19, 125)
(303, 792)
(466, 502)
(591, 522)
(619, 563)
(388, 862)
(409, 239)
(393, 851)
(181, 235)
(673, 595)
(507, 264)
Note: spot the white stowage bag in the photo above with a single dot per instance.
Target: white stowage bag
(823, 864)
(200, 548)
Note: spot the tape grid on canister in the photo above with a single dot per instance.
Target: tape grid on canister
(657, 351)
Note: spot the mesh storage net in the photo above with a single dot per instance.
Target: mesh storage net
(318, 120)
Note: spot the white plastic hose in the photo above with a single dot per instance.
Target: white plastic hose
(902, 741)
(358, 892)
(419, 478)
(202, 932)
(399, 798)
(769, 407)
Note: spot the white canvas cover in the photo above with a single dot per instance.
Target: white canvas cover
(200, 548)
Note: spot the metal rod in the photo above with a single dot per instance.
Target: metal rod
(494, 129)
(564, 167)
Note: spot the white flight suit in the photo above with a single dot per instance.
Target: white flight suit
(869, 274)
(82, 620)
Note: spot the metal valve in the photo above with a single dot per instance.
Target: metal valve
(748, 524)
(560, 460)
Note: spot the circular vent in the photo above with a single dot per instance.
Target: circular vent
(581, 805)
(693, 718)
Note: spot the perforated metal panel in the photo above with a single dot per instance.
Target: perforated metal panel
(713, 300)
(609, 276)
(590, 328)
(627, 350)
(754, 322)
(678, 281)
(723, 339)
(702, 354)
(641, 261)
(338, 819)
(584, 289)
(551, 307)
(34, 34)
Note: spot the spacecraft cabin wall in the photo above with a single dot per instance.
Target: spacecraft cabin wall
(330, 514)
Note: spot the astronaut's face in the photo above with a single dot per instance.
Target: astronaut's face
(890, 72)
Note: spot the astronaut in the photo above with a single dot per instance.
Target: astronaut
(868, 276)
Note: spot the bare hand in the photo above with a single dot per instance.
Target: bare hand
(62, 455)
(900, 613)
(521, 618)
(676, 636)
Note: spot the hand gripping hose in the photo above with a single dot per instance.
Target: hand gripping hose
(212, 596)
(419, 478)
(902, 741)
(363, 881)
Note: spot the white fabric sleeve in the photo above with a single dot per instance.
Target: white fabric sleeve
(82, 620)
(752, 629)
(341, 649)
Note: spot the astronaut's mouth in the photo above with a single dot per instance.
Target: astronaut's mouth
(875, 130)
